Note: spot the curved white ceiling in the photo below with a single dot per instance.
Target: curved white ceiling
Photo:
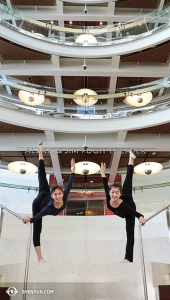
(19, 118)
(36, 43)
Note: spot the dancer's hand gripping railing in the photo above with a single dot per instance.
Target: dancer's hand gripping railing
(141, 245)
(28, 244)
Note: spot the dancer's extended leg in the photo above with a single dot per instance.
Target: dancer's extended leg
(130, 220)
(44, 191)
(127, 185)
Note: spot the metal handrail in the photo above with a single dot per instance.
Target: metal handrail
(141, 245)
(28, 245)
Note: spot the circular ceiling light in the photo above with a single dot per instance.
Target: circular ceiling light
(86, 168)
(86, 39)
(139, 100)
(30, 98)
(22, 167)
(148, 168)
(84, 98)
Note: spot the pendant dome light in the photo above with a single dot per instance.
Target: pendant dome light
(30, 98)
(148, 168)
(139, 99)
(22, 167)
(85, 99)
(86, 168)
(86, 39)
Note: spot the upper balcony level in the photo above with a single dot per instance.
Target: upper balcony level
(85, 110)
(94, 41)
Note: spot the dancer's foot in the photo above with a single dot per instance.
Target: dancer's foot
(132, 154)
(40, 146)
(125, 261)
(41, 260)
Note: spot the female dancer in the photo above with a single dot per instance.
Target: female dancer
(47, 203)
(120, 202)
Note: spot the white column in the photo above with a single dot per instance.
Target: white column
(113, 82)
(55, 159)
(58, 83)
(116, 157)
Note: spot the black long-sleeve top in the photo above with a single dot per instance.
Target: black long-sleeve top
(47, 205)
(123, 209)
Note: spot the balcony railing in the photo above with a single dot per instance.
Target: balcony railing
(101, 35)
(101, 110)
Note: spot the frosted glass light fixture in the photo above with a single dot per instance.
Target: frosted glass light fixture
(30, 98)
(86, 39)
(148, 168)
(85, 99)
(22, 167)
(139, 99)
(86, 168)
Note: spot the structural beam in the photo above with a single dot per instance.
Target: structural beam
(121, 136)
(113, 82)
(95, 67)
(54, 157)
(75, 13)
(161, 4)
(73, 142)
(58, 83)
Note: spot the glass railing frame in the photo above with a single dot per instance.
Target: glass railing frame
(158, 103)
(28, 244)
(141, 245)
(95, 31)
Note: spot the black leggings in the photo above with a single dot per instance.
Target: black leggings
(130, 220)
(44, 191)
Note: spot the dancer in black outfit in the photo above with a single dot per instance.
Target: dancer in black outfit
(47, 203)
(120, 202)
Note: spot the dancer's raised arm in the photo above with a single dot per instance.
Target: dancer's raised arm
(47, 203)
(105, 183)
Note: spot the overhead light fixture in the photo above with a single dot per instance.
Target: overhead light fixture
(86, 168)
(139, 99)
(70, 22)
(22, 167)
(148, 168)
(86, 39)
(30, 98)
(101, 23)
(86, 97)
(89, 192)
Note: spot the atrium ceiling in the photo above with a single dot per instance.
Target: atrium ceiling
(128, 70)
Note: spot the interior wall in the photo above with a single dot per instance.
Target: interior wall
(153, 199)
(18, 200)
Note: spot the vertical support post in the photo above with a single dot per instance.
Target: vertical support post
(168, 220)
(27, 259)
(87, 207)
(1, 219)
(143, 263)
